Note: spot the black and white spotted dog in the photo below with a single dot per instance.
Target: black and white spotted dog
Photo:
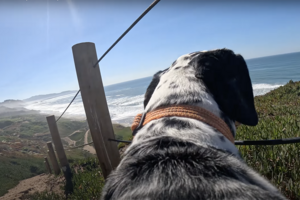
(182, 158)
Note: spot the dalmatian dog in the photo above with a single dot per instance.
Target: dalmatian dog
(179, 158)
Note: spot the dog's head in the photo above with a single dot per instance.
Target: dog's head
(219, 73)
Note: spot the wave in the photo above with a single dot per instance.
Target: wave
(122, 108)
(263, 88)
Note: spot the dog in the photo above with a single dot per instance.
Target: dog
(180, 157)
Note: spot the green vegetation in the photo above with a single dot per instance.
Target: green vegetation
(122, 132)
(5, 123)
(78, 137)
(89, 137)
(30, 126)
(67, 126)
(279, 117)
(44, 196)
(75, 155)
(16, 168)
(87, 182)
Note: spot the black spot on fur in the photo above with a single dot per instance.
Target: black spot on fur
(170, 98)
(186, 98)
(193, 79)
(152, 87)
(194, 53)
(176, 123)
(186, 58)
(177, 68)
(174, 86)
(174, 63)
(150, 127)
(158, 87)
(222, 138)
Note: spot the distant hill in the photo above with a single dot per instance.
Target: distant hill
(11, 103)
(49, 96)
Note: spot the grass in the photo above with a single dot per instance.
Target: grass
(279, 117)
(78, 137)
(16, 168)
(87, 182)
(122, 132)
(29, 125)
(67, 126)
(75, 155)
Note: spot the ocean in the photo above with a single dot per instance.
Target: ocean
(125, 100)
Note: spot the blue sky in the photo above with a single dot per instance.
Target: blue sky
(36, 37)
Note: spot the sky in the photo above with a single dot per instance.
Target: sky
(36, 37)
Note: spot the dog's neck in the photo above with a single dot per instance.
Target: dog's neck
(178, 85)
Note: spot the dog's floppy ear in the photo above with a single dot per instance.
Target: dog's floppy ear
(227, 78)
(245, 112)
(152, 86)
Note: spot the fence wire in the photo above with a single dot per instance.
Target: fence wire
(247, 142)
(112, 46)
(130, 27)
(68, 106)
(254, 142)
(76, 147)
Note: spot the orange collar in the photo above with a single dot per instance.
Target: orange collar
(188, 111)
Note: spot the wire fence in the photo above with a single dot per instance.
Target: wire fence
(76, 147)
(256, 142)
(106, 52)
(112, 46)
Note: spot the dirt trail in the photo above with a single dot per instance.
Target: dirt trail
(40, 183)
(88, 148)
(74, 133)
(69, 141)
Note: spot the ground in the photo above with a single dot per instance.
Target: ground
(40, 183)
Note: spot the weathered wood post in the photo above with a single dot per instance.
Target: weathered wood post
(64, 164)
(47, 165)
(53, 159)
(57, 142)
(95, 105)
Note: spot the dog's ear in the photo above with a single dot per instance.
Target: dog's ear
(152, 86)
(227, 77)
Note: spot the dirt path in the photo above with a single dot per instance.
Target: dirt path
(74, 133)
(69, 141)
(40, 183)
(88, 148)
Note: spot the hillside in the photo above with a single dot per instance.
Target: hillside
(279, 117)
(23, 137)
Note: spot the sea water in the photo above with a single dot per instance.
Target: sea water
(125, 100)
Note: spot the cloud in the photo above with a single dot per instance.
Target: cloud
(77, 22)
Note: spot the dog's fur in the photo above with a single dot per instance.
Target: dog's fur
(181, 158)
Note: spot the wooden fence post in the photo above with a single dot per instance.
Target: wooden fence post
(95, 105)
(64, 164)
(47, 165)
(53, 159)
(57, 142)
